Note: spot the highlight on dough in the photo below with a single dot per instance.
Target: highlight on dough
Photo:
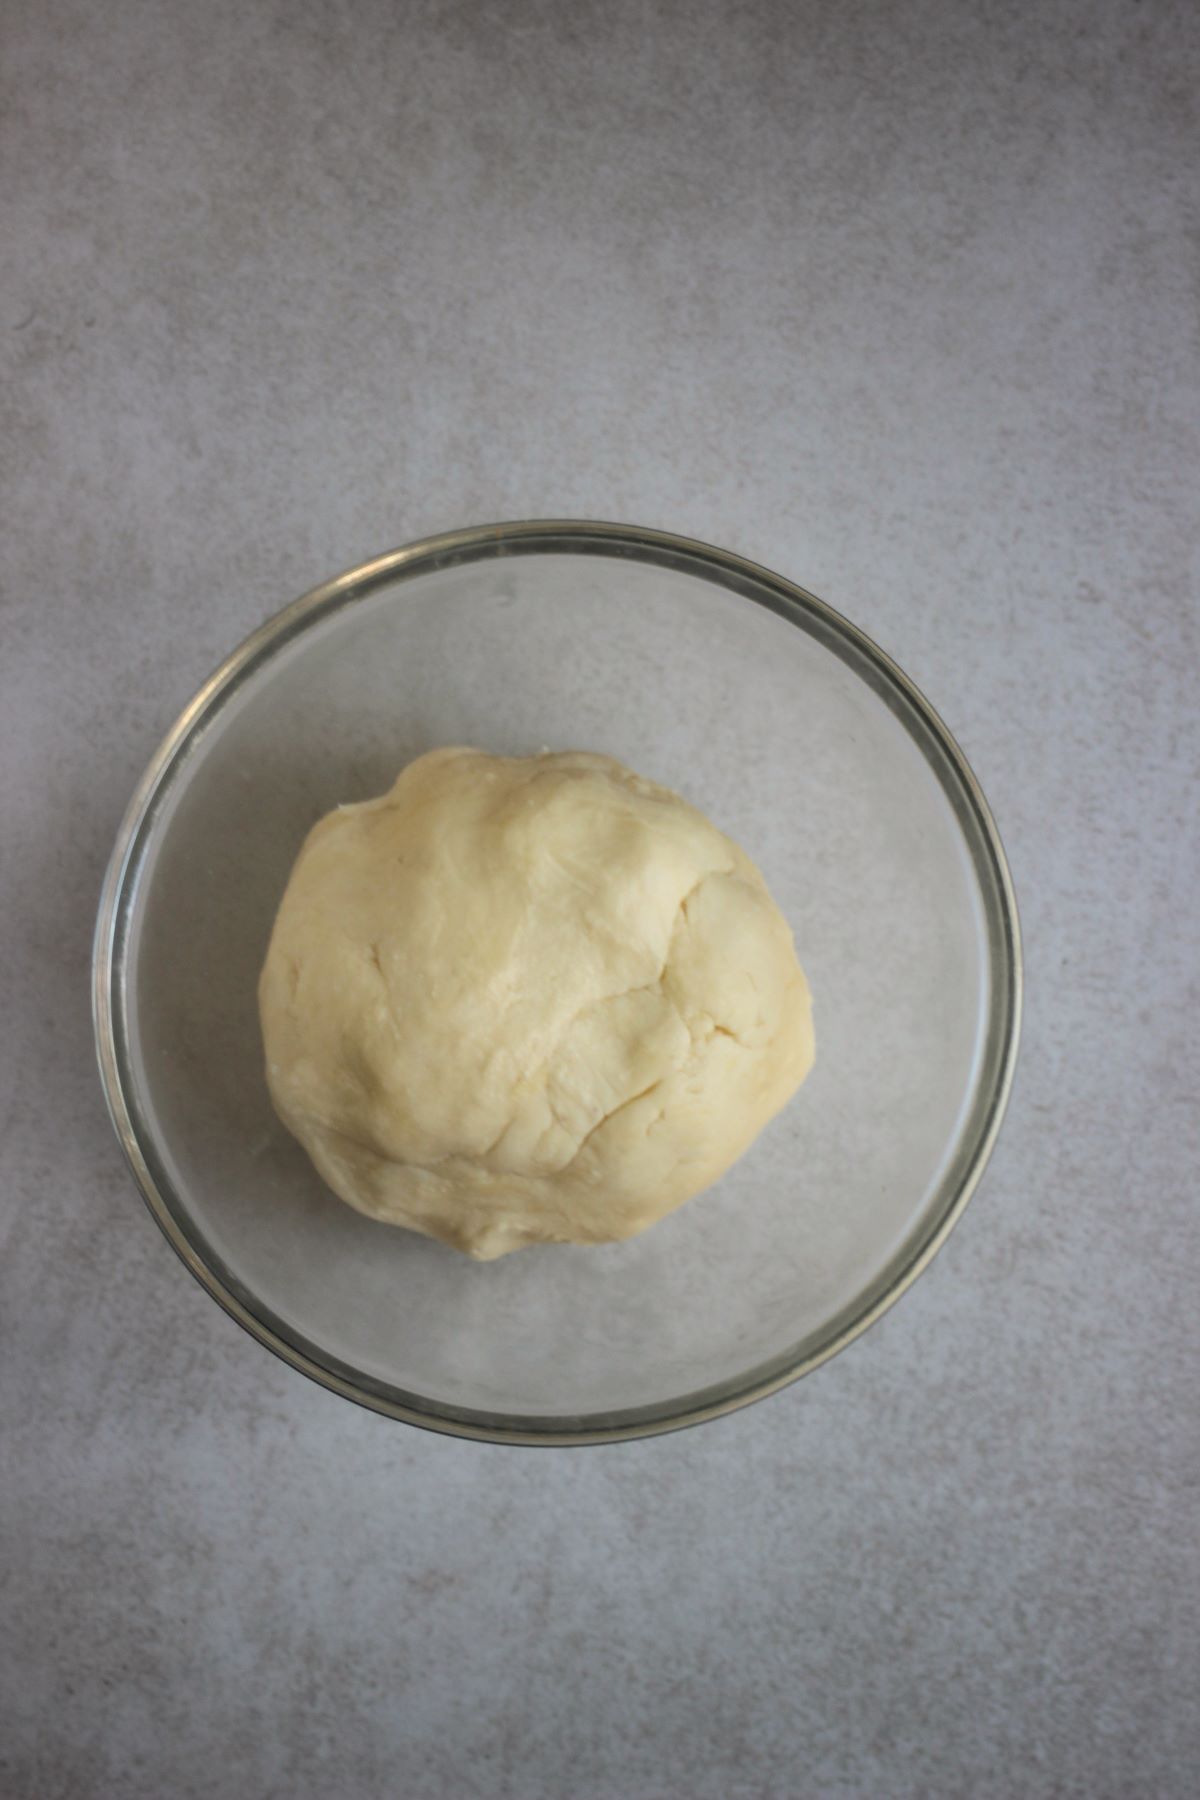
(523, 1000)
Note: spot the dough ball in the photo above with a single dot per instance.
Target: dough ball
(523, 1000)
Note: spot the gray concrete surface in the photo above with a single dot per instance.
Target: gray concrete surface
(900, 300)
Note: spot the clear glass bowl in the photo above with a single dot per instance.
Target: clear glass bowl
(798, 737)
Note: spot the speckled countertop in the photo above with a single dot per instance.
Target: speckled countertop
(900, 301)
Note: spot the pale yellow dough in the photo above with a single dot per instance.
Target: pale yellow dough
(521, 1000)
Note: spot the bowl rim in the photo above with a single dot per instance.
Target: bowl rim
(977, 1134)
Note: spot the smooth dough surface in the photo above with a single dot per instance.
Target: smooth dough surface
(520, 1000)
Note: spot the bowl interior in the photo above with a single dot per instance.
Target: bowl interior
(771, 729)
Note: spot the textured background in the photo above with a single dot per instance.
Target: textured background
(900, 300)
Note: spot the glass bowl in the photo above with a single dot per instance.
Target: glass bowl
(797, 736)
